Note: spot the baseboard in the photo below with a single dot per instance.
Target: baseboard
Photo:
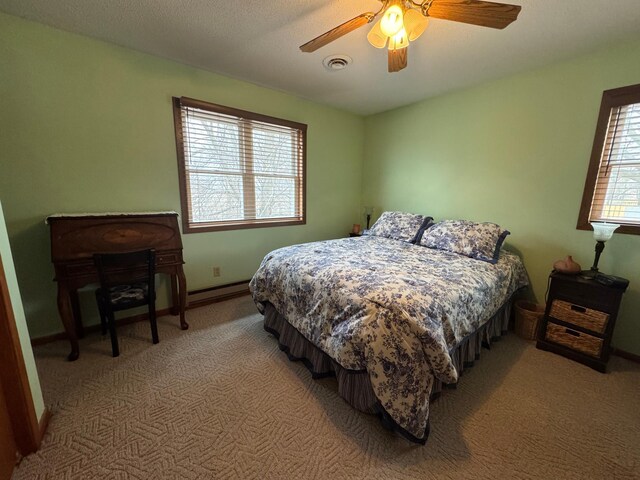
(220, 293)
(195, 299)
(626, 355)
(35, 342)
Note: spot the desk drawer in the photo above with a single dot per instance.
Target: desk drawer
(579, 341)
(80, 269)
(167, 258)
(584, 317)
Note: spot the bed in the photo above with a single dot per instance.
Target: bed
(392, 319)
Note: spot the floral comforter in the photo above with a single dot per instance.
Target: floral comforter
(390, 307)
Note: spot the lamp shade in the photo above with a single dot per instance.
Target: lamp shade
(376, 37)
(603, 231)
(415, 24)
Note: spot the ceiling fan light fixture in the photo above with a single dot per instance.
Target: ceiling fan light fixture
(415, 24)
(399, 40)
(392, 20)
(403, 21)
(376, 37)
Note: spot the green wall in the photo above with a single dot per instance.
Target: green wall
(87, 126)
(514, 151)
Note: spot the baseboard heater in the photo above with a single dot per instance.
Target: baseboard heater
(205, 296)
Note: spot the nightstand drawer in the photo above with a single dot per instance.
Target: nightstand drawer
(593, 296)
(574, 340)
(575, 314)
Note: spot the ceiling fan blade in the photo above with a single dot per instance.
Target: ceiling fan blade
(397, 59)
(337, 32)
(475, 12)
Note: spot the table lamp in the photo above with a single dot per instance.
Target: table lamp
(602, 231)
(368, 211)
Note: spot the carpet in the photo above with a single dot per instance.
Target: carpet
(220, 401)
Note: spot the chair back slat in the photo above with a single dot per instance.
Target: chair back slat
(125, 268)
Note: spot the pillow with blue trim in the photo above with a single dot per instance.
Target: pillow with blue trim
(481, 241)
(400, 226)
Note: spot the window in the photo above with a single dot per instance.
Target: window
(238, 169)
(612, 189)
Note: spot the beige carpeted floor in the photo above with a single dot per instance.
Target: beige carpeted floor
(221, 401)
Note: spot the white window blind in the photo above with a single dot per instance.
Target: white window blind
(616, 196)
(239, 169)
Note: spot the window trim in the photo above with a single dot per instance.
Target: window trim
(187, 227)
(610, 99)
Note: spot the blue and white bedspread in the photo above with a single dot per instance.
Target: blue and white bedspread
(390, 307)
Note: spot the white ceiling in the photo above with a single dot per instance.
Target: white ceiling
(257, 41)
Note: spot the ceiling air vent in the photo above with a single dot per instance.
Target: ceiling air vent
(336, 62)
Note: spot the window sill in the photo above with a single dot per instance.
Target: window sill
(211, 227)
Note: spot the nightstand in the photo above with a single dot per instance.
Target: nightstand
(351, 234)
(579, 319)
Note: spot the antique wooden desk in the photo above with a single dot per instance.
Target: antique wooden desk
(75, 238)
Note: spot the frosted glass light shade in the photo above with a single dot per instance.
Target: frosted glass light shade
(399, 40)
(376, 37)
(415, 24)
(603, 231)
(391, 21)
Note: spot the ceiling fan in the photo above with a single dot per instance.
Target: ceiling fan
(403, 21)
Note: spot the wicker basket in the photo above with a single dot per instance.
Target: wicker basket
(528, 316)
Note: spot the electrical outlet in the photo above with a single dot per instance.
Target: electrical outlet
(216, 271)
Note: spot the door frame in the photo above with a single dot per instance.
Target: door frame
(28, 432)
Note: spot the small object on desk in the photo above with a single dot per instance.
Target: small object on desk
(356, 228)
(580, 317)
(567, 266)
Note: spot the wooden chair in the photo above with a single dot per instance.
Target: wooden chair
(127, 280)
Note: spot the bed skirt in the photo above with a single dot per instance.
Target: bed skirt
(354, 385)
